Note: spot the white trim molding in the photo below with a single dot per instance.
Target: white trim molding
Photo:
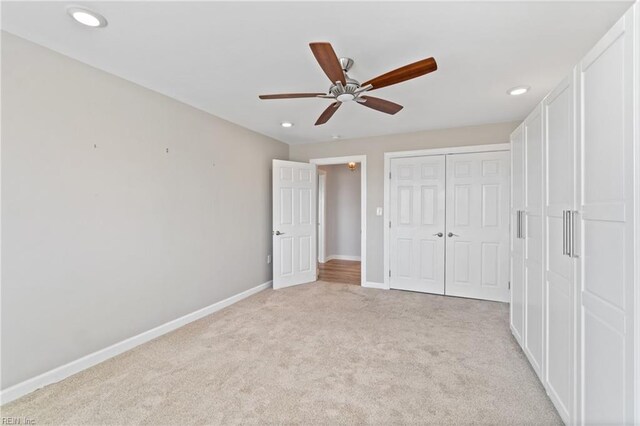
(380, 286)
(420, 153)
(322, 216)
(342, 257)
(60, 373)
(636, 130)
(362, 159)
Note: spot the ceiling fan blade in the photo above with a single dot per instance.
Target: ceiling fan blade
(405, 73)
(326, 57)
(291, 95)
(328, 113)
(380, 105)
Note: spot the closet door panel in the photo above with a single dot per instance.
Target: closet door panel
(417, 207)
(477, 237)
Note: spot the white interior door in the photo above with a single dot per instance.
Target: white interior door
(477, 236)
(294, 223)
(417, 203)
(559, 274)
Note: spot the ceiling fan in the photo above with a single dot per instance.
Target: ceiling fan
(346, 89)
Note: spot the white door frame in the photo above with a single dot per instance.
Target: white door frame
(322, 216)
(420, 153)
(362, 159)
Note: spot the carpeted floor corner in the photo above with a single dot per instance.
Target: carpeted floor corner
(321, 353)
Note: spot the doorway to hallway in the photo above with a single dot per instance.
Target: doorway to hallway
(341, 219)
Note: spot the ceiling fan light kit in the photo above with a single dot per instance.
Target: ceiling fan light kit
(346, 89)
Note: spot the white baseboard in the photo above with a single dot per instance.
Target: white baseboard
(341, 257)
(371, 284)
(16, 391)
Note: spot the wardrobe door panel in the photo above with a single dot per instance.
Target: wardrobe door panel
(606, 249)
(517, 242)
(534, 289)
(559, 275)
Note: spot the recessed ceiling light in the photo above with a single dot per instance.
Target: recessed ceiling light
(87, 17)
(286, 124)
(518, 90)
(335, 136)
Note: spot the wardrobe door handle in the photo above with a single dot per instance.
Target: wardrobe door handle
(572, 236)
(569, 233)
(564, 233)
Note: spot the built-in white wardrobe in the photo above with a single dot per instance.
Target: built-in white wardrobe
(574, 247)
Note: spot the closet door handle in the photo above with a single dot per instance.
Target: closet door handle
(517, 223)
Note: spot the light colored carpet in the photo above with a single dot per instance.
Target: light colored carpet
(322, 353)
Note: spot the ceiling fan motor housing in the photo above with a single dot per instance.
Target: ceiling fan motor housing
(347, 92)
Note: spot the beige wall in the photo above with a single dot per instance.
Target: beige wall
(105, 234)
(102, 243)
(374, 148)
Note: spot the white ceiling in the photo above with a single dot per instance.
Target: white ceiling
(220, 56)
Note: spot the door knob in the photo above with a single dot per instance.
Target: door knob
(439, 234)
(451, 234)
(278, 233)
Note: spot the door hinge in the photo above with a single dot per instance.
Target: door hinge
(509, 285)
(389, 175)
(389, 224)
(389, 273)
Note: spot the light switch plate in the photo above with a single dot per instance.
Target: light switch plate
(269, 259)
(379, 211)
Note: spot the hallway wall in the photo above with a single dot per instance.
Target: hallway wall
(343, 211)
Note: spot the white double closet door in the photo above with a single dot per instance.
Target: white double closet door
(449, 228)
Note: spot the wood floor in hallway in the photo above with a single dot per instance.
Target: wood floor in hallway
(341, 271)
